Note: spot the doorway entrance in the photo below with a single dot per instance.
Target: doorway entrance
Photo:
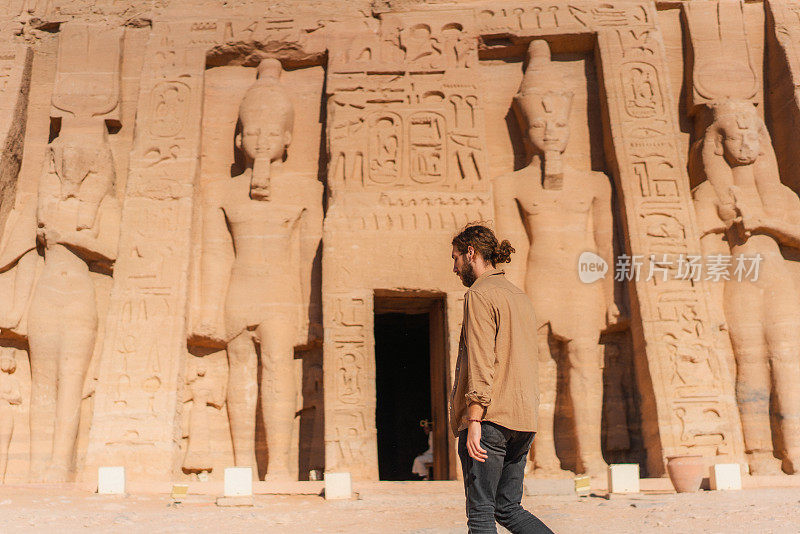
(412, 385)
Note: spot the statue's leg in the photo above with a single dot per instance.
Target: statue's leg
(278, 392)
(242, 399)
(545, 460)
(6, 431)
(783, 341)
(77, 344)
(44, 339)
(744, 313)
(585, 357)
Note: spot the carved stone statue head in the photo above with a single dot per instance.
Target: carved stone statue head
(266, 116)
(543, 104)
(737, 131)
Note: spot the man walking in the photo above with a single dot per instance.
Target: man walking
(495, 394)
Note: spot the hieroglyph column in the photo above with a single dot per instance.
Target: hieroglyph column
(136, 419)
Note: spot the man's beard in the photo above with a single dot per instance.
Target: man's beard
(467, 275)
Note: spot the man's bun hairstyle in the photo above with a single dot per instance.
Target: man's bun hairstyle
(483, 240)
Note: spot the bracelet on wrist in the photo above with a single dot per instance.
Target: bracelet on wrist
(475, 420)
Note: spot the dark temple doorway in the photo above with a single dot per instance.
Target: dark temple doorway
(411, 382)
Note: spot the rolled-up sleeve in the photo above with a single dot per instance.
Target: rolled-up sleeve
(480, 329)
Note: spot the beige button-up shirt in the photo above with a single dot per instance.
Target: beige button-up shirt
(497, 356)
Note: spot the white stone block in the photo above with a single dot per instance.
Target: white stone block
(111, 480)
(238, 481)
(623, 478)
(338, 486)
(725, 477)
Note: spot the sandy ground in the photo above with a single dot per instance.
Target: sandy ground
(35, 510)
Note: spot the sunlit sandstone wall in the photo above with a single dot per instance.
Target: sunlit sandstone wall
(194, 233)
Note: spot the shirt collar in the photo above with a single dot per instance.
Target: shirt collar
(487, 274)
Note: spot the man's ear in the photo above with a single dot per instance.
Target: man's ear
(237, 140)
(470, 254)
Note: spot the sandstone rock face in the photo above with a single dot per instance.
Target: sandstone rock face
(205, 204)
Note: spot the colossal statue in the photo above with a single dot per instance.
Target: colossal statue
(78, 223)
(743, 200)
(75, 222)
(565, 212)
(272, 220)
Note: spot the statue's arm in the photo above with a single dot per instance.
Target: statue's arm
(19, 234)
(705, 207)
(47, 199)
(94, 188)
(603, 222)
(509, 225)
(100, 243)
(785, 230)
(217, 247)
(720, 177)
(310, 239)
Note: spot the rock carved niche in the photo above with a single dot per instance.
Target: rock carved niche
(550, 173)
(251, 398)
(58, 251)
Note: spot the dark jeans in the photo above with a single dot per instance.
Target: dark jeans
(494, 487)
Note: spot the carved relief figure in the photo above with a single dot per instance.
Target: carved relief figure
(565, 212)
(205, 390)
(9, 397)
(272, 220)
(78, 223)
(744, 201)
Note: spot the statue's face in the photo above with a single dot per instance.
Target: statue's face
(741, 138)
(548, 125)
(264, 139)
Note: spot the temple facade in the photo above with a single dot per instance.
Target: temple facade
(226, 231)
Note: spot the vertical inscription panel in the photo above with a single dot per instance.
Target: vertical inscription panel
(349, 385)
(136, 421)
(694, 403)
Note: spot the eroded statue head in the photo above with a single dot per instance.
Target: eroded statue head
(266, 115)
(543, 104)
(737, 130)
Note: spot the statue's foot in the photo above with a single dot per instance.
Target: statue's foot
(791, 464)
(596, 468)
(764, 463)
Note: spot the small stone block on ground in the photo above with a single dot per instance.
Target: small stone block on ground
(725, 477)
(111, 480)
(179, 492)
(238, 481)
(583, 484)
(241, 500)
(338, 486)
(549, 486)
(623, 478)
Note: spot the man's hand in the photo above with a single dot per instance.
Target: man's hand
(476, 452)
